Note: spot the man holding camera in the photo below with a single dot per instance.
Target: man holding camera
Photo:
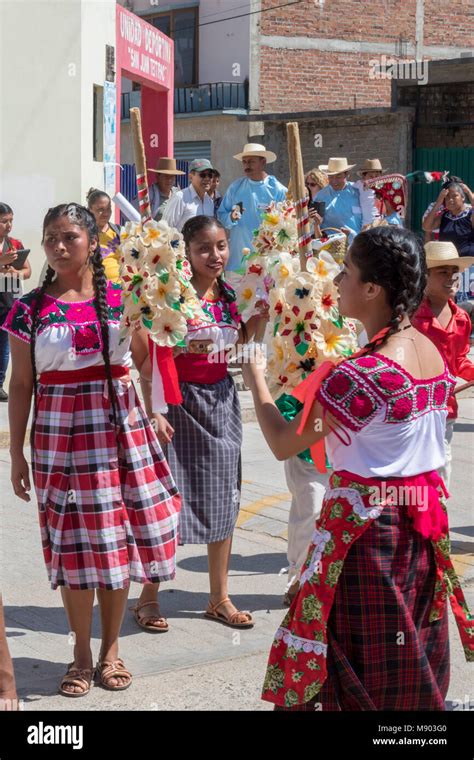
(247, 198)
(342, 200)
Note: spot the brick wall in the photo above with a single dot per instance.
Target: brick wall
(385, 136)
(377, 20)
(310, 80)
(296, 79)
(449, 23)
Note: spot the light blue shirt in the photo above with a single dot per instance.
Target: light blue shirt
(184, 204)
(255, 196)
(342, 208)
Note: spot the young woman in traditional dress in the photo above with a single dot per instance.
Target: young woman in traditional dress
(204, 433)
(368, 629)
(108, 505)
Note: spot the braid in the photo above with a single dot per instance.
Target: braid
(393, 258)
(50, 273)
(100, 304)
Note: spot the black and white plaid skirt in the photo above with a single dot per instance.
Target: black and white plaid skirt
(204, 458)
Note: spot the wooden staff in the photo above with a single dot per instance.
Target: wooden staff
(299, 191)
(140, 164)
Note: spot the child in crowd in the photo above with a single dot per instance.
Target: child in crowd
(448, 326)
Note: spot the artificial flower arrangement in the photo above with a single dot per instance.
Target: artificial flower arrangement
(156, 281)
(307, 326)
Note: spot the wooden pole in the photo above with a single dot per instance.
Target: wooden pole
(299, 191)
(140, 163)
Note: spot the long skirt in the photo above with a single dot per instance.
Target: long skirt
(383, 653)
(108, 505)
(204, 458)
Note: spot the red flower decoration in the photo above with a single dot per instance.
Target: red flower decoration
(367, 361)
(361, 406)
(439, 394)
(402, 408)
(338, 385)
(422, 398)
(390, 381)
(255, 269)
(86, 338)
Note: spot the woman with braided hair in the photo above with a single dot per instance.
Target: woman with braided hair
(108, 506)
(203, 435)
(368, 628)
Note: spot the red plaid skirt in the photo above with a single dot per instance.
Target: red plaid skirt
(383, 654)
(108, 506)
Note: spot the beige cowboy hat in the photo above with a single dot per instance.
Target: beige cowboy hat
(166, 166)
(255, 149)
(372, 165)
(443, 253)
(336, 166)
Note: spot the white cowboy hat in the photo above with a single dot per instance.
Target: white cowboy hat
(372, 165)
(254, 149)
(443, 253)
(336, 166)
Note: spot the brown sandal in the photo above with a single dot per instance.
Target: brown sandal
(212, 614)
(145, 622)
(106, 670)
(81, 677)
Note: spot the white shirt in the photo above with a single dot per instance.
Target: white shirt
(393, 424)
(185, 204)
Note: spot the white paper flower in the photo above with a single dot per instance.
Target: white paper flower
(323, 266)
(325, 300)
(169, 327)
(301, 289)
(155, 234)
(332, 341)
(163, 291)
(282, 267)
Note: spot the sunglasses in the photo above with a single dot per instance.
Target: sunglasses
(312, 184)
(206, 175)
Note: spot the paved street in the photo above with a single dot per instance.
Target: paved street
(199, 664)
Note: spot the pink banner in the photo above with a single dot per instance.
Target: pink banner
(144, 52)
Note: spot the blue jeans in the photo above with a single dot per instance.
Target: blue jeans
(4, 351)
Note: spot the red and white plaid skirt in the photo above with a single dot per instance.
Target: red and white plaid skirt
(108, 505)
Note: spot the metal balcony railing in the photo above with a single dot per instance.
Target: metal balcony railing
(219, 96)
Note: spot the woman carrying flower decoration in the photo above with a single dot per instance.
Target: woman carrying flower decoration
(368, 629)
(204, 433)
(108, 506)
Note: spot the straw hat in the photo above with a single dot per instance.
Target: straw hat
(166, 166)
(372, 165)
(254, 149)
(336, 166)
(442, 253)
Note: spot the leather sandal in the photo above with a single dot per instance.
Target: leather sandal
(145, 622)
(232, 620)
(106, 670)
(81, 677)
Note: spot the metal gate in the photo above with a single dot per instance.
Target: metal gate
(458, 161)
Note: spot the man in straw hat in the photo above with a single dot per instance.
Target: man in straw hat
(194, 199)
(448, 326)
(342, 198)
(245, 200)
(381, 208)
(162, 188)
